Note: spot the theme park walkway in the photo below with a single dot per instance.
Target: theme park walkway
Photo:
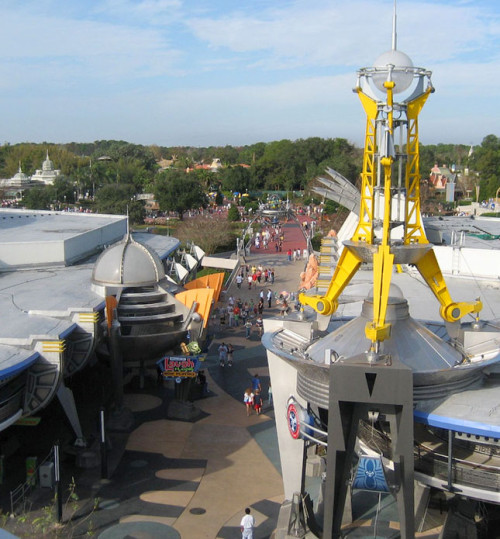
(193, 479)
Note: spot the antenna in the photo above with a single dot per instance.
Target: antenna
(394, 34)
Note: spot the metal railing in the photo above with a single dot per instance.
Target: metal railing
(19, 496)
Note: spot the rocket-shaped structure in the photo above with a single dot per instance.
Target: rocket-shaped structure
(390, 194)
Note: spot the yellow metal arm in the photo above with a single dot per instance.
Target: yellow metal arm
(450, 311)
(347, 266)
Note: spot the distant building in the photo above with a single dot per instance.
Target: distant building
(14, 187)
(441, 176)
(47, 174)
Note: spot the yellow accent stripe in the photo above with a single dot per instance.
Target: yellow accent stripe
(53, 346)
(88, 317)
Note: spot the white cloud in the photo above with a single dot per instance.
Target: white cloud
(57, 50)
(347, 33)
(221, 72)
(151, 11)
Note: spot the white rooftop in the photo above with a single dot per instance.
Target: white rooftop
(44, 238)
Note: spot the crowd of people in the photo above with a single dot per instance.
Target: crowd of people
(254, 275)
(270, 235)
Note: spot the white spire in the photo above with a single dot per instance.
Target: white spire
(394, 34)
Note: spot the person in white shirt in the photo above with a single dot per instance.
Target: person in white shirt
(247, 524)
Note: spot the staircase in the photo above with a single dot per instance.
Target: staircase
(328, 259)
(151, 322)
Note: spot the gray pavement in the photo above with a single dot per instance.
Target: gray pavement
(185, 479)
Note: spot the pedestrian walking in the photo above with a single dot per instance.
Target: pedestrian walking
(248, 328)
(230, 312)
(257, 402)
(239, 280)
(248, 400)
(256, 383)
(247, 525)
(260, 306)
(269, 297)
(249, 281)
(230, 351)
(222, 354)
(259, 324)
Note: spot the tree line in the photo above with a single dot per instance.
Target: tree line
(110, 173)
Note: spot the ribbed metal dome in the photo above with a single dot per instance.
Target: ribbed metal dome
(433, 361)
(128, 264)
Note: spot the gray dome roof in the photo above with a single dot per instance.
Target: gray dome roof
(19, 178)
(128, 264)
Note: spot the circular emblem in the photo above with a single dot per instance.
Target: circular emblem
(292, 415)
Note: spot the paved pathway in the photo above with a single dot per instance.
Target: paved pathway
(194, 479)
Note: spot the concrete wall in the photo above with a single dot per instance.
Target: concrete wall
(92, 241)
(469, 262)
(37, 238)
(28, 254)
(284, 383)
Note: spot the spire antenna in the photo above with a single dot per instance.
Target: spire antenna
(394, 34)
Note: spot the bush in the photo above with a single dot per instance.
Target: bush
(233, 214)
(330, 207)
(316, 241)
(253, 205)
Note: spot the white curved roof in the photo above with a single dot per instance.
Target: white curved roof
(128, 263)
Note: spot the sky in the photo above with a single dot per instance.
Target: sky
(202, 73)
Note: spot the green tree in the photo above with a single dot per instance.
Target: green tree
(38, 198)
(177, 191)
(233, 213)
(486, 160)
(64, 190)
(219, 199)
(120, 199)
(236, 179)
(330, 207)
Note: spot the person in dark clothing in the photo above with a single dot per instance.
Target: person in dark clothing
(257, 402)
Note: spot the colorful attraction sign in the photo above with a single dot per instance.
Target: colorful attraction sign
(174, 367)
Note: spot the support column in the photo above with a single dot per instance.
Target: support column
(358, 387)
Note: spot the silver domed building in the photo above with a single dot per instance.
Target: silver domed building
(151, 320)
(47, 174)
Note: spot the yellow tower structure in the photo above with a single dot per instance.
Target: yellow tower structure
(390, 195)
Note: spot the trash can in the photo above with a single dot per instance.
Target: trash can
(46, 473)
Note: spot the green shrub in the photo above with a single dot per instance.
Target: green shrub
(233, 214)
(316, 241)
